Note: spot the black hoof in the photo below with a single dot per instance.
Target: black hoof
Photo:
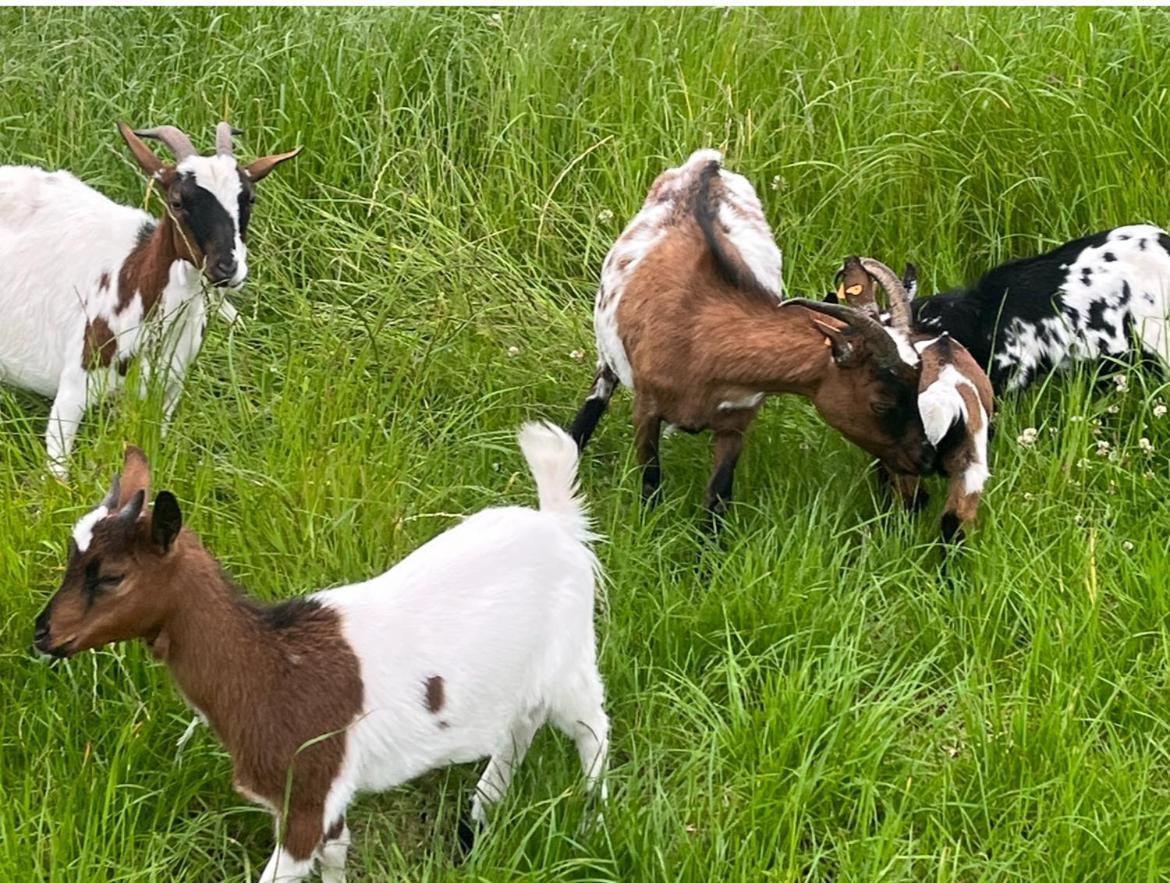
(468, 831)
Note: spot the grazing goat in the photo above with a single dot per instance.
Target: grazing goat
(88, 282)
(955, 398)
(462, 650)
(689, 316)
(1103, 296)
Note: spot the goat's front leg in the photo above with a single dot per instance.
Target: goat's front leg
(728, 445)
(292, 861)
(64, 418)
(960, 510)
(647, 431)
(333, 852)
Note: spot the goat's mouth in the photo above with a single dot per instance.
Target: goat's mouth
(49, 653)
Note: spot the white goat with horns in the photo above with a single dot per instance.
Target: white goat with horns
(85, 278)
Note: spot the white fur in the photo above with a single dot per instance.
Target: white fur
(976, 474)
(58, 237)
(1134, 285)
(501, 608)
(83, 530)
(740, 213)
(748, 401)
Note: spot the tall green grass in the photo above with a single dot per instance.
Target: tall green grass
(809, 701)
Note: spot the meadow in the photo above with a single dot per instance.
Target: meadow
(804, 700)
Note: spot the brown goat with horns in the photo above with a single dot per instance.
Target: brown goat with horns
(689, 316)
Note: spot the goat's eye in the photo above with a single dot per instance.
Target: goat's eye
(881, 408)
(176, 203)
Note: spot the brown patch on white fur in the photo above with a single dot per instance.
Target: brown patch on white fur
(100, 346)
(434, 698)
(269, 680)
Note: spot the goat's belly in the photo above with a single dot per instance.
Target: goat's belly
(28, 361)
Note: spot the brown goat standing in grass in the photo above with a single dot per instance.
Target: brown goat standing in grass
(689, 316)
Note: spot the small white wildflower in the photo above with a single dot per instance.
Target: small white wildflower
(604, 216)
(577, 355)
(1121, 382)
(1028, 495)
(1145, 446)
(777, 182)
(1127, 545)
(513, 351)
(1113, 409)
(1103, 448)
(1027, 438)
(1148, 475)
(495, 467)
(1159, 411)
(495, 20)
(1083, 463)
(1078, 518)
(1076, 418)
(1052, 430)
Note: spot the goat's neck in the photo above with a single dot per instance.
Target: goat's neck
(157, 264)
(216, 650)
(768, 348)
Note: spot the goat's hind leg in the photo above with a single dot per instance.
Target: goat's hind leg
(496, 779)
(604, 383)
(580, 715)
(647, 434)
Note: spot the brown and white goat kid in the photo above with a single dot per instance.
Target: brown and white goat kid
(955, 398)
(87, 283)
(689, 317)
(461, 651)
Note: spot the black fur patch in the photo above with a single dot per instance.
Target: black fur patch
(1110, 257)
(208, 220)
(1097, 318)
(288, 614)
(586, 421)
(728, 262)
(952, 530)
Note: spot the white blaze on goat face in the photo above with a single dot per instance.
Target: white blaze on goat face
(739, 213)
(83, 530)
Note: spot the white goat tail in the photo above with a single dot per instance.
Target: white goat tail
(552, 459)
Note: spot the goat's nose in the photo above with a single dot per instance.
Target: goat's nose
(225, 269)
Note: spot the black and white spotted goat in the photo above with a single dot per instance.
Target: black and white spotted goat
(1103, 296)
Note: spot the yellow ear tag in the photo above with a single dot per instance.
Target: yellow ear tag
(853, 290)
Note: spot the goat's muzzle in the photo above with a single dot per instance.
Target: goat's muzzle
(42, 642)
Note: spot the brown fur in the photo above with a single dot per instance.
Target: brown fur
(694, 341)
(147, 269)
(267, 684)
(434, 700)
(100, 346)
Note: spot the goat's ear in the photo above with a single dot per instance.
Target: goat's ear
(135, 475)
(149, 163)
(259, 168)
(166, 520)
(842, 348)
(910, 278)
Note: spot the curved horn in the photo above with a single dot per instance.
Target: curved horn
(180, 145)
(883, 346)
(899, 299)
(133, 509)
(223, 139)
